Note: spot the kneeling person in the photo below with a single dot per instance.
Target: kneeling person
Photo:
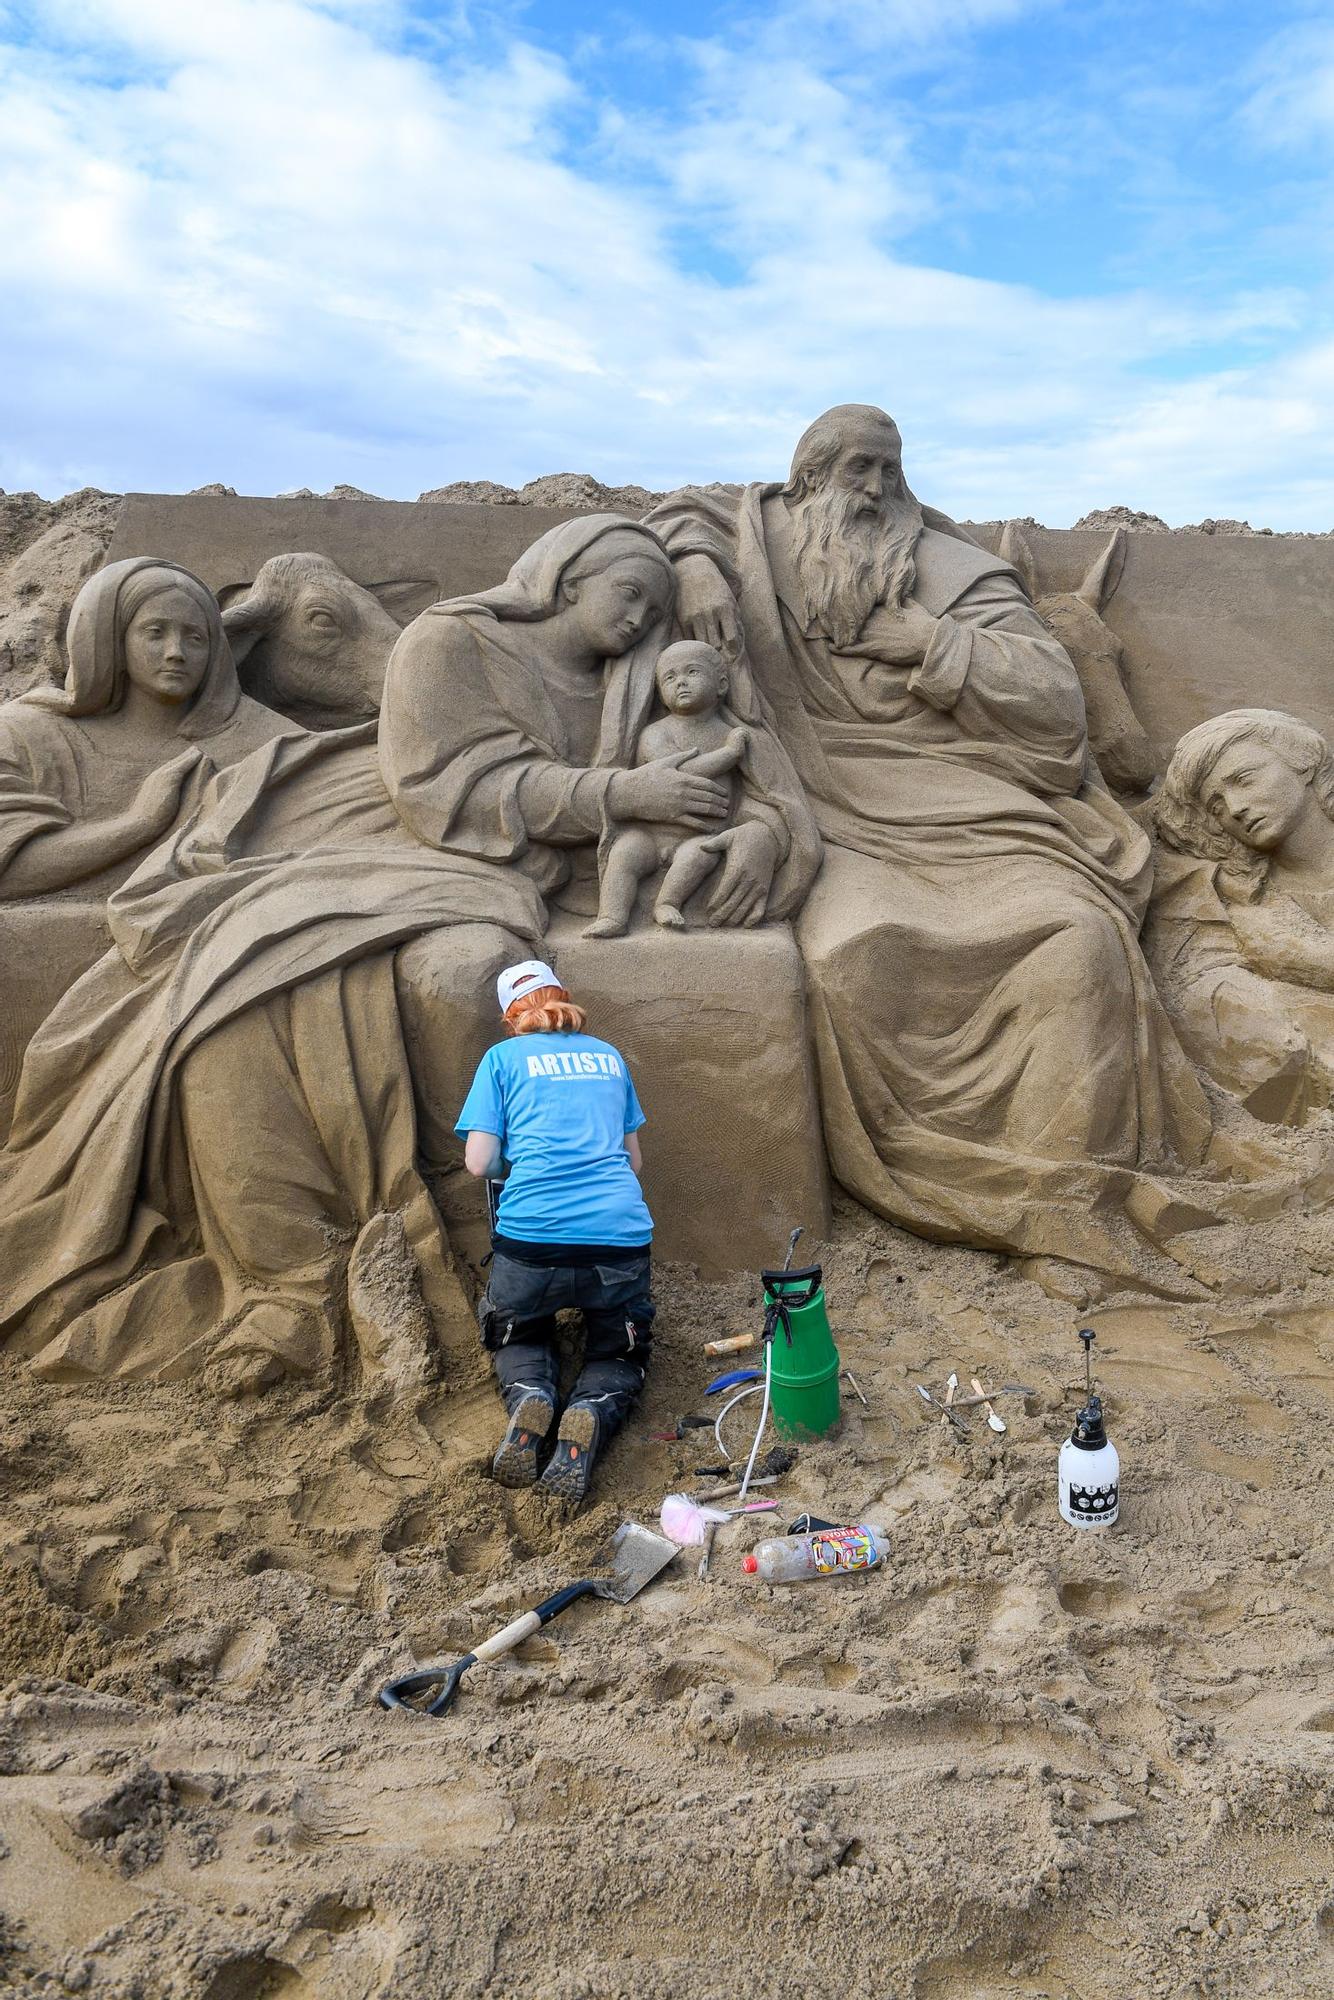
(572, 1228)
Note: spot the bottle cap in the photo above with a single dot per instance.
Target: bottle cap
(750, 1564)
(1090, 1433)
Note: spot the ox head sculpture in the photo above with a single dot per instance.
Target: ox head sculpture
(313, 644)
(1116, 736)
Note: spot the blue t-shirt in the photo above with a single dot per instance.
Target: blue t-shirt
(561, 1106)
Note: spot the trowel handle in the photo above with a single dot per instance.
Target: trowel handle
(738, 1344)
(399, 1693)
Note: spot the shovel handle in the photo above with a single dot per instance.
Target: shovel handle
(401, 1693)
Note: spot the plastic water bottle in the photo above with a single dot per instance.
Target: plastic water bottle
(823, 1552)
(1089, 1468)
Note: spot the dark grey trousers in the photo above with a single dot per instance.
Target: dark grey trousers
(518, 1317)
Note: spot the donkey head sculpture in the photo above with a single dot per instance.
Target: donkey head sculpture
(1116, 737)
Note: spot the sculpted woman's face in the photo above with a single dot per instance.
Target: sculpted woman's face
(615, 608)
(167, 647)
(1254, 794)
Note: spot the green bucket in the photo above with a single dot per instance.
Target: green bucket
(804, 1390)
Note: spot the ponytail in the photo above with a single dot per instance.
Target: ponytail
(547, 1010)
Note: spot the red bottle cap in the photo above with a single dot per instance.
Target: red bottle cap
(750, 1564)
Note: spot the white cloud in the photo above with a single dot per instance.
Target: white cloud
(266, 241)
(1292, 103)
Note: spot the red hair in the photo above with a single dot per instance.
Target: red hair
(547, 1010)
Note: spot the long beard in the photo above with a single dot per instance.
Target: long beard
(848, 562)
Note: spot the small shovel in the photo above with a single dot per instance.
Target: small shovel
(637, 1556)
(994, 1422)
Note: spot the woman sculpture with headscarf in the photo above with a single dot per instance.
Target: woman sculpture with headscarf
(500, 727)
(219, 1112)
(509, 728)
(95, 771)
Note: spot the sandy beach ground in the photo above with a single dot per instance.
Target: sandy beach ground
(1013, 1762)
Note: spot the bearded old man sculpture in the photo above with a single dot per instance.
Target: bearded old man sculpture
(994, 1065)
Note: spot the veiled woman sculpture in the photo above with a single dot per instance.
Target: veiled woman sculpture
(218, 1112)
(94, 772)
(1241, 937)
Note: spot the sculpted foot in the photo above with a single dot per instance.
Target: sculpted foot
(258, 1351)
(231, 1376)
(606, 927)
(669, 917)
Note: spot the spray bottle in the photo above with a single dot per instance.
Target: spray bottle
(1089, 1472)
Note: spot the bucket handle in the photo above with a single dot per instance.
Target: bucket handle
(777, 1284)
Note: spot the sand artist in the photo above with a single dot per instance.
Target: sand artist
(216, 1121)
(1241, 938)
(572, 1229)
(95, 771)
(994, 1064)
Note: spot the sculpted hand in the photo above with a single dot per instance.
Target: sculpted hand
(899, 636)
(750, 861)
(665, 793)
(158, 799)
(706, 607)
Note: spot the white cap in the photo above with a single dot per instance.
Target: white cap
(516, 980)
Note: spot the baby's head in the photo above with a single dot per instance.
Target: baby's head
(692, 677)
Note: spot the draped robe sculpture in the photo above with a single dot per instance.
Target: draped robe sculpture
(219, 1117)
(994, 1064)
(86, 782)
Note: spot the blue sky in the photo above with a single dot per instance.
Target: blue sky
(1082, 251)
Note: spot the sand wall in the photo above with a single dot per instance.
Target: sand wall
(1208, 622)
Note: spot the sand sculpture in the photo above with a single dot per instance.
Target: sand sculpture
(228, 1134)
(994, 1065)
(698, 728)
(497, 717)
(312, 643)
(216, 1126)
(1002, 1768)
(1116, 736)
(1241, 937)
(96, 771)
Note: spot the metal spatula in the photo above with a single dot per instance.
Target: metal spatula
(637, 1555)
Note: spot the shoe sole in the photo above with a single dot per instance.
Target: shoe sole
(515, 1464)
(571, 1467)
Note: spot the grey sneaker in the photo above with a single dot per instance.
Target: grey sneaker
(515, 1463)
(570, 1466)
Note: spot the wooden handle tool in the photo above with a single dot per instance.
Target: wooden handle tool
(994, 1422)
(737, 1344)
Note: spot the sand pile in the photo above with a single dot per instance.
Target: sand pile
(1012, 1763)
(47, 549)
(554, 489)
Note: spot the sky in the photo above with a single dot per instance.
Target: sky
(1082, 250)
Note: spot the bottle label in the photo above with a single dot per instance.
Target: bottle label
(1093, 1503)
(842, 1548)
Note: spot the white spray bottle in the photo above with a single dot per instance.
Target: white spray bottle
(1089, 1473)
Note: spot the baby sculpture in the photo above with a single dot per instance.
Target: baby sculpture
(699, 732)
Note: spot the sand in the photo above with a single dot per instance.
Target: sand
(1013, 1762)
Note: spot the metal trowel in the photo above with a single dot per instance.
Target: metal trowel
(637, 1555)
